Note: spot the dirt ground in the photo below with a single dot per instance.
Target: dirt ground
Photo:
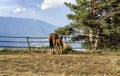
(37, 64)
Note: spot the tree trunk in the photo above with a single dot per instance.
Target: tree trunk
(91, 38)
(65, 38)
(96, 39)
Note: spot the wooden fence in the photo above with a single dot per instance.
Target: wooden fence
(26, 42)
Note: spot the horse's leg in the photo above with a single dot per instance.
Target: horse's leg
(61, 49)
(53, 49)
(58, 49)
(54, 46)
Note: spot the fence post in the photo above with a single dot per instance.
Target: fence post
(28, 44)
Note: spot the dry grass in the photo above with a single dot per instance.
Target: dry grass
(37, 64)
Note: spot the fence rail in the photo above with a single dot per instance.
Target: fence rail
(24, 42)
(22, 37)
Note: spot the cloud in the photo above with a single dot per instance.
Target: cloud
(54, 3)
(19, 10)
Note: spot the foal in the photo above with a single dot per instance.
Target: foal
(59, 45)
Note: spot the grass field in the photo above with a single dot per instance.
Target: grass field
(38, 64)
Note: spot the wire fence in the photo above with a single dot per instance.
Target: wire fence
(28, 42)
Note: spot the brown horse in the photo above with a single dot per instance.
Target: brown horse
(52, 41)
(59, 45)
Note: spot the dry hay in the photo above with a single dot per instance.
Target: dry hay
(38, 64)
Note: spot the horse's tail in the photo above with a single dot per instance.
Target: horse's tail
(50, 42)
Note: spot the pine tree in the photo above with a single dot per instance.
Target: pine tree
(110, 23)
(99, 20)
(83, 18)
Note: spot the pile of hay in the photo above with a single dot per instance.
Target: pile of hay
(67, 49)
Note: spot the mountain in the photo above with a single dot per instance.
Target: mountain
(21, 27)
(10, 26)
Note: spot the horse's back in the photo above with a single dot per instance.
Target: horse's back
(52, 38)
(59, 41)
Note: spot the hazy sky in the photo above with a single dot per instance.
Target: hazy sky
(51, 11)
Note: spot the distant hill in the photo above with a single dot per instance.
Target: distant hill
(20, 27)
(10, 26)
